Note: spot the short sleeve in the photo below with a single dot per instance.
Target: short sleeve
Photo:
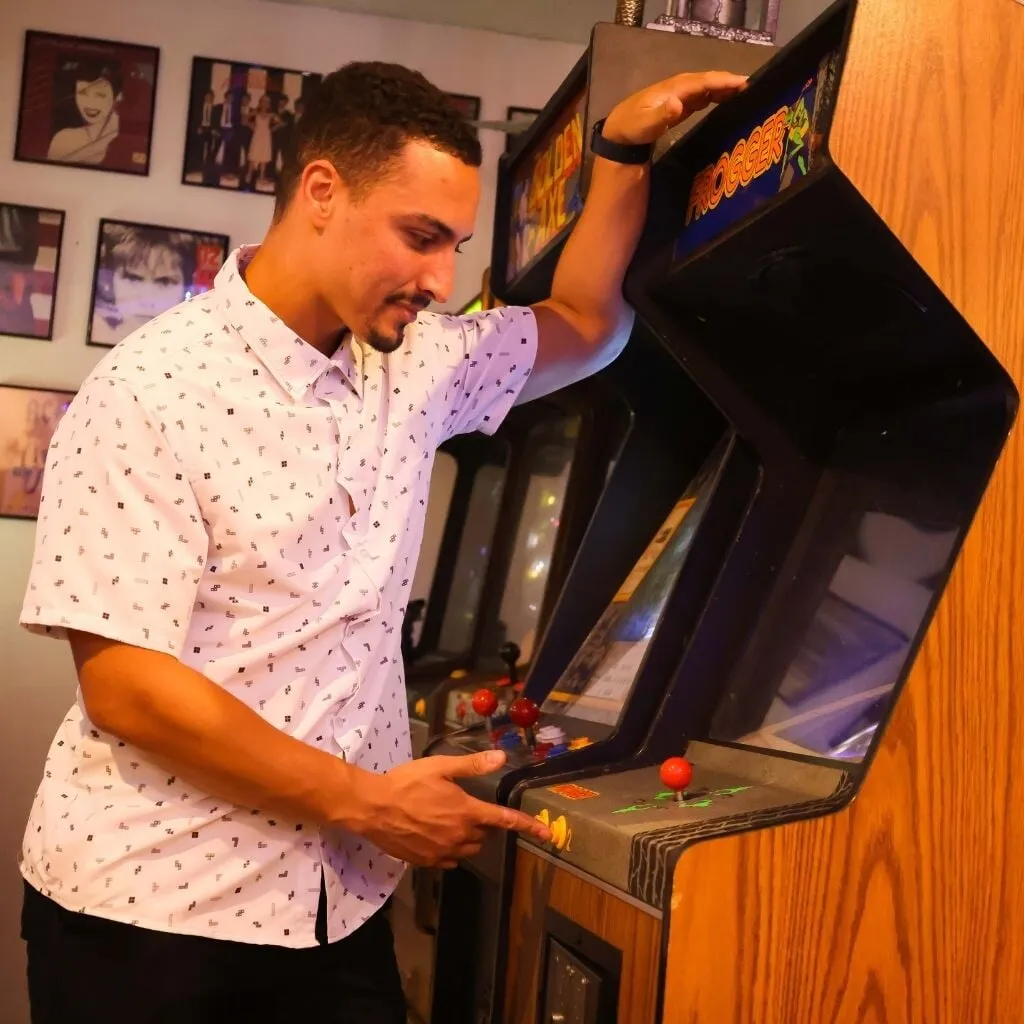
(500, 347)
(120, 542)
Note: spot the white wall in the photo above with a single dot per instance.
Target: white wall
(36, 675)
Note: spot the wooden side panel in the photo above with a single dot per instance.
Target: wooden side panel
(907, 907)
(540, 884)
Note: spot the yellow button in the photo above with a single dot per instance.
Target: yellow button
(560, 832)
(421, 707)
(459, 673)
(543, 817)
(580, 741)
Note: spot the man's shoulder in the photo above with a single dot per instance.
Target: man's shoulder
(179, 346)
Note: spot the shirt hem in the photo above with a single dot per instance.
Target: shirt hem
(133, 922)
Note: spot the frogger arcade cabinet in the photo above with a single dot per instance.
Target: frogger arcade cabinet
(674, 465)
(709, 876)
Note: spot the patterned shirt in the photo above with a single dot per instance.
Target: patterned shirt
(221, 491)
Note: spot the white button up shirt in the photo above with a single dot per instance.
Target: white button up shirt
(221, 491)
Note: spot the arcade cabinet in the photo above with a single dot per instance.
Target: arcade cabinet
(675, 480)
(818, 825)
(505, 516)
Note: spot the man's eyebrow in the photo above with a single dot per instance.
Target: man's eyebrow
(439, 226)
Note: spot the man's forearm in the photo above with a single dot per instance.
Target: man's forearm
(201, 733)
(590, 272)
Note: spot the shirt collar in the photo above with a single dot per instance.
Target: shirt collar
(293, 362)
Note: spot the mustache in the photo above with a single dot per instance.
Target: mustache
(418, 300)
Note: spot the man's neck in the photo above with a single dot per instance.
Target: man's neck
(281, 285)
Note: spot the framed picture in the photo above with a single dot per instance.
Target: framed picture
(86, 103)
(467, 106)
(526, 114)
(143, 270)
(241, 120)
(28, 418)
(30, 240)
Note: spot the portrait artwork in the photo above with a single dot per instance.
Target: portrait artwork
(86, 103)
(28, 418)
(241, 122)
(143, 270)
(30, 239)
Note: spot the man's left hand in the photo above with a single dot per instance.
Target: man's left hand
(646, 115)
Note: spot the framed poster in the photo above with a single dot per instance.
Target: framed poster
(86, 103)
(30, 239)
(525, 114)
(241, 121)
(143, 270)
(467, 106)
(28, 418)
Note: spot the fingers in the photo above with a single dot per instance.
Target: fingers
(708, 81)
(513, 821)
(482, 763)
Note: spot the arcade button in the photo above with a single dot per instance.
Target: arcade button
(420, 708)
(459, 673)
(580, 742)
(551, 735)
(561, 834)
(676, 774)
(509, 740)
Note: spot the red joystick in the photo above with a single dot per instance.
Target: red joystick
(524, 713)
(485, 702)
(676, 773)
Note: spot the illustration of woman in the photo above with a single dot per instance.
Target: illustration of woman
(89, 93)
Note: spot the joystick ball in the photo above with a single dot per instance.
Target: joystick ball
(485, 702)
(523, 712)
(676, 773)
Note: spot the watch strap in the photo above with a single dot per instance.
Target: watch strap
(619, 152)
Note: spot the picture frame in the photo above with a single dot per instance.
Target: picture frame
(518, 114)
(142, 270)
(467, 106)
(30, 247)
(240, 122)
(28, 418)
(86, 103)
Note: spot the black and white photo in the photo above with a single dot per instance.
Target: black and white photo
(241, 121)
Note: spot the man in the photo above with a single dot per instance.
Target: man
(230, 524)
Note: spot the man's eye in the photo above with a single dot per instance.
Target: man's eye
(420, 241)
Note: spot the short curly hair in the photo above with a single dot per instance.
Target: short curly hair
(362, 115)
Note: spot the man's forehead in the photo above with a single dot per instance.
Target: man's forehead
(432, 187)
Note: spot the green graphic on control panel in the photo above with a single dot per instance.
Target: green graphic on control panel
(705, 799)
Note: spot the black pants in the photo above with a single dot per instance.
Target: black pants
(86, 970)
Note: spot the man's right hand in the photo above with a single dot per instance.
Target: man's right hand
(420, 815)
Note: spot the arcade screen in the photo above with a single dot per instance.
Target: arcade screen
(777, 146)
(549, 452)
(546, 195)
(600, 678)
(823, 676)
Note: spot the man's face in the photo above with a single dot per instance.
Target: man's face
(387, 254)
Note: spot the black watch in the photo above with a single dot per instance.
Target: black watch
(618, 151)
